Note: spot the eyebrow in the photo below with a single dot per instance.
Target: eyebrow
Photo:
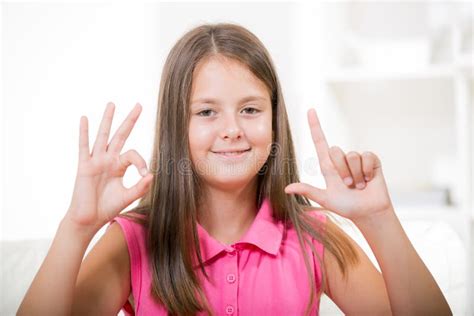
(215, 101)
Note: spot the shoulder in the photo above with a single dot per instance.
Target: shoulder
(114, 246)
(317, 215)
(111, 246)
(317, 219)
(133, 233)
(130, 221)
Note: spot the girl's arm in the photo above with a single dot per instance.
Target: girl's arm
(405, 286)
(64, 286)
(103, 283)
(51, 292)
(411, 288)
(356, 189)
(98, 196)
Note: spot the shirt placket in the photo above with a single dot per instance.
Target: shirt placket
(231, 281)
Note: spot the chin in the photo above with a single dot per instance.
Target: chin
(229, 181)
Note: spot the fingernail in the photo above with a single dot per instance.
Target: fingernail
(143, 171)
(348, 181)
(366, 178)
(360, 185)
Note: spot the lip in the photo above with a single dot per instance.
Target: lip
(231, 157)
(231, 150)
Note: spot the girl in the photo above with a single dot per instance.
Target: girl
(223, 225)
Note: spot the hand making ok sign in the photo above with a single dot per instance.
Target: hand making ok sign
(99, 193)
(355, 186)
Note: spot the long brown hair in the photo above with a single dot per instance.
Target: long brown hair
(170, 206)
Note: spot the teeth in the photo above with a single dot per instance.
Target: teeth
(232, 153)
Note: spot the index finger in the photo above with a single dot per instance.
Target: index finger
(104, 129)
(319, 139)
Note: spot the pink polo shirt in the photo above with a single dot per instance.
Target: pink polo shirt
(262, 274)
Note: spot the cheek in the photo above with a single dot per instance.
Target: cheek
(261, 135)
(200, 138)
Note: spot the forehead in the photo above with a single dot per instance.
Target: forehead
(225, 78)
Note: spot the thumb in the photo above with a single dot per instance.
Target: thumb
(312, 193)
(139, 189)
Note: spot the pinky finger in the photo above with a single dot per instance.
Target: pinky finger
(139, 189)
(368, 165)
(84, 152)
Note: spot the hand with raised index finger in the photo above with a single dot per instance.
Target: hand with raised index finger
(99, 193)
(355, 185)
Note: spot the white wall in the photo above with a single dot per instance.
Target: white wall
(61, 61)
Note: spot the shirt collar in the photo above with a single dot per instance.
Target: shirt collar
(265, 233)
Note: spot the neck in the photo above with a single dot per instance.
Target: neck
(227, 215)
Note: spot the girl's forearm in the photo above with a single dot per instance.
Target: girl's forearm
(411, 288)
(52, 289)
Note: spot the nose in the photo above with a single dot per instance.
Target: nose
(231, 128)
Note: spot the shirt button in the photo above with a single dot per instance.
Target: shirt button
(231, 278)
(229, 309)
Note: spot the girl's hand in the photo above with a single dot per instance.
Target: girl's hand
(365, 192)
(99, 194)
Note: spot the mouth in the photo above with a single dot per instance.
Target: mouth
(232, 154)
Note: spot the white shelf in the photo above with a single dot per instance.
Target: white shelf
(362, 74)
(465, 63)
(465, 60)
(359, 74)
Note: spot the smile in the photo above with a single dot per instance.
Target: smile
(232, 154)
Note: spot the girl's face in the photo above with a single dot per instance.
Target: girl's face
(230, 128)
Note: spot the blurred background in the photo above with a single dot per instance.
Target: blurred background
(394, 78)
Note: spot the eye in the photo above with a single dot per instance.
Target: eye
(206, 112)
(251, 110)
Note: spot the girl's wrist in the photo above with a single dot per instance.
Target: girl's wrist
(86, 233)
(375, 219)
